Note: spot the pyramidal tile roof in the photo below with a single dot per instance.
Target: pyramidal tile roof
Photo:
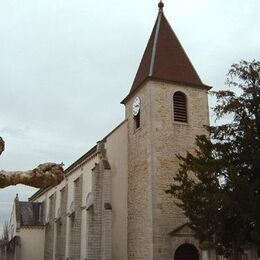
(164, 58)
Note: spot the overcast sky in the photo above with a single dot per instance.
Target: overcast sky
(66, 65)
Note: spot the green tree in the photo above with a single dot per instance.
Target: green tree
(218, 186)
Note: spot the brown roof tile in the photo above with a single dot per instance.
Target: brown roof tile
(165, 59)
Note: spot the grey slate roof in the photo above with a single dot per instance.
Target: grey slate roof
(29, 213)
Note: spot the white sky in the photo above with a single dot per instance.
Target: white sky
(66, 65)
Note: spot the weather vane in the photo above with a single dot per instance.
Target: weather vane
(161, 5)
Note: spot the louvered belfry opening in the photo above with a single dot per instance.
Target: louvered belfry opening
(180, 107)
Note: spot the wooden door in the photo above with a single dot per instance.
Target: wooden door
(186, 252)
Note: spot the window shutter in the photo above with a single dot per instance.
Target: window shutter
(180, 107)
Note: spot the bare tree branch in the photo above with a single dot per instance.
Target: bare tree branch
(2, 145)
(45, 175)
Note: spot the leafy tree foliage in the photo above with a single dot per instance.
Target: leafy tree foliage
(218, 186)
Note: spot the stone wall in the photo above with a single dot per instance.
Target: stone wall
(116, 146)
(170, 138)
(106, 239)
(153, 163)
(94, 217)
(75, 222)
(32, 243)
(59, 232)
(61, 224)
(49, 229)
(99, 217)
(140, 229)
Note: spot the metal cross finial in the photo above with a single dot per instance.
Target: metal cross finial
(161, 5)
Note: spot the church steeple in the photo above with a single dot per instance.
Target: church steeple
(164, 58)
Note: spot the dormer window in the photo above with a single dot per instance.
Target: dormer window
(180, 107)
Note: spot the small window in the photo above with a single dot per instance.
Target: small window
(137, 120)
(180, 107)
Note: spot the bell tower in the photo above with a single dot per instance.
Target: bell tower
(166, 108)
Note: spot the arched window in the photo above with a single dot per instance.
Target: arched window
(180, 107)
(137, 120)
(186, 252)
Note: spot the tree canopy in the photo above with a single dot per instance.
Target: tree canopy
(218, 185)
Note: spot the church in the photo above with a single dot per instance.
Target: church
(112, 203)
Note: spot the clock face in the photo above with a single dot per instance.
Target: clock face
(136, 106)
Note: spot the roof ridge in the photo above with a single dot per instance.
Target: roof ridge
(155, 43)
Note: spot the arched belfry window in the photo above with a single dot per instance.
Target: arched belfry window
(180, 107)
(137, 121)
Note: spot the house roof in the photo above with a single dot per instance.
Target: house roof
(29, 213)
(164, 58)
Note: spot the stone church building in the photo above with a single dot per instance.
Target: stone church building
(112, 203)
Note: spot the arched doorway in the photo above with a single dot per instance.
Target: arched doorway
(186, 252)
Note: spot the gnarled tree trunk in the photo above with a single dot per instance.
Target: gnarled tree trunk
(2, 145)
(45, 175)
